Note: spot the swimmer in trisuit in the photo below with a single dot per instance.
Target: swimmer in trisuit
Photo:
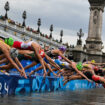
(54, 55)
(47, 61)
(4, 49)
(24, 54)
(87, 71)
(33, 46)
(97, 69)
(33, 58)
(67, 66)
(58, 52)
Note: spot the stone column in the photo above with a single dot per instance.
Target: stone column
(93, 41)
(90, 26)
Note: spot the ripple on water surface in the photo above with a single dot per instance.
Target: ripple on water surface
(85, 97)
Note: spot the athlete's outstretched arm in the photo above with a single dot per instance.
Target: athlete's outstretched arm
(20, 65)
(39, 57)
(50, 69)
(52, 62)
(66, 59)
(74, 66)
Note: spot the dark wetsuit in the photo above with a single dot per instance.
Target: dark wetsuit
(88, 74)
(91, 76)
(1, 52)
(100, 72)
(50, 54)
(31, 57)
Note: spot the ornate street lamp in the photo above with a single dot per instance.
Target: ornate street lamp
(80, 34)
(24, 16)
(51, 29)
(6, 7)
(39, 24)
(61, 34)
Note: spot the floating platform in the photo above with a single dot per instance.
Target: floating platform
(14, 84)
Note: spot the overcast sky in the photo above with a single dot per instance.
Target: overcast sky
(69, 15)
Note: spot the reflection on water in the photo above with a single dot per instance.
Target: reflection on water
(85, 97)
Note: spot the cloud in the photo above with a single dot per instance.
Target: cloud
(59, 12)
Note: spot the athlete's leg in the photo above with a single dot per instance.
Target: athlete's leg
(73, 77)
(3, 60)
(6, 67)
(31, 65)
(2, 56)
(37, 69)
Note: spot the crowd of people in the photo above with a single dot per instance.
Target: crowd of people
(51, 60)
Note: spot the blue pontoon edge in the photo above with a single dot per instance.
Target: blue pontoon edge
(15, 84)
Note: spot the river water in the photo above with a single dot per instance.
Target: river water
(84, 97)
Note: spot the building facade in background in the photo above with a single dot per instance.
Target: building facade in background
(93, 47)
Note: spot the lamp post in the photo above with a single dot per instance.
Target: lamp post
(51, 29)
(61, 34)
(6, 7)
(24, 16)
(80, 34)
(39, 24)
